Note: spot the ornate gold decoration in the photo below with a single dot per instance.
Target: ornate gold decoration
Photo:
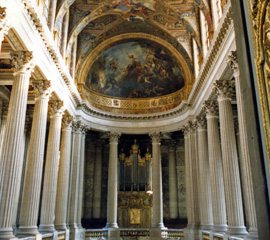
(135, 216)
(260, 24)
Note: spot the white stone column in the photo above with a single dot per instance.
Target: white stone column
(33, 176)
(157, 182)
(112, 182)
(63, 175)
(10, 160)
(81, 178)
(194, 178)
(51, 168)
(172, 182)
(97, 182)
(216, 169)
(4, 27)
(244, 156)
(230, 160)
(3, 123)
(75, 180)
(204, 171)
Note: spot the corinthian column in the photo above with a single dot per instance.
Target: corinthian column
(63, 175)
(215, 165)
(51, 169)
(33, 176)
(97, 181)
(10, 160)
(112, 182)
(157, 182)
(230, 160)
(3, 25)
(172, 182)
(245, 156)
(205, 190)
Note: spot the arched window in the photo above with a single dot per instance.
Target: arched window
(196, 58)
(204, 34)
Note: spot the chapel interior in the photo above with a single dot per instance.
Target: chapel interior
(134, 119)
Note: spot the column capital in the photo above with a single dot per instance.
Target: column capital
(185, 129)
(67, 121)
(210, 107)
(223, 89)
(77, 126)
(22, 61)
(56, 107)
(114, 136)
(201, 122)
(193, 125)
(155, 137)
(233, 62)
(42, 88)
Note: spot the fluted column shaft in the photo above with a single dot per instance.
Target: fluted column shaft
(190, 217)
(3, 124)
(51, 171)
(81, 180)
(216, 169)
(194, 175)
(10, 160)
(230, 160)
(33, 176)
(157, 182)
(97, 182)
(75, 175)
(205, 190)
(63, 175)
(244, 156)
(172, 183)
(112, 182)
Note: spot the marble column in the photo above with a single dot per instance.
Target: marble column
(172, 182)
(3, 123)
(63, 174)
(4, 27)
(216, 169)
(112, 182)
(204, 171)
(244, 153)
(190, 218)
(51, 168)
(97, 181)
(74, 180)
(232, 183)
(81, 178)
(33, 176)
(157, 182)
(10, 158)
(194, 178)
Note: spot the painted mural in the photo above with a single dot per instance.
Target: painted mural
(135, 69)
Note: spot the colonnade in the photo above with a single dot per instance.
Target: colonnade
(210, 140)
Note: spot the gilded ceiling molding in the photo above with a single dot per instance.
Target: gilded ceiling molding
(260, 24)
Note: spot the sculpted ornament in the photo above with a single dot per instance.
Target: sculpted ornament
(224, 88)
(155, 137)
(210, 107)
(114, 136)
(42, 87)
(22, 61)
(56, 107)
(67, 120)
(201, 122)
(233, 62)
(3, 23)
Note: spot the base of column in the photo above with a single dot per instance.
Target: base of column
(236, 231)
(252, 234)
(207, 227)
(61, 227)
(113, 234)
(7, 234)
(25, 231)
(76, 233)
(46, 228)
(220, 228)
(111, 225)
(158, 225)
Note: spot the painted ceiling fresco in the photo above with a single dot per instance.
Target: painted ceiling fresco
(135, 69)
